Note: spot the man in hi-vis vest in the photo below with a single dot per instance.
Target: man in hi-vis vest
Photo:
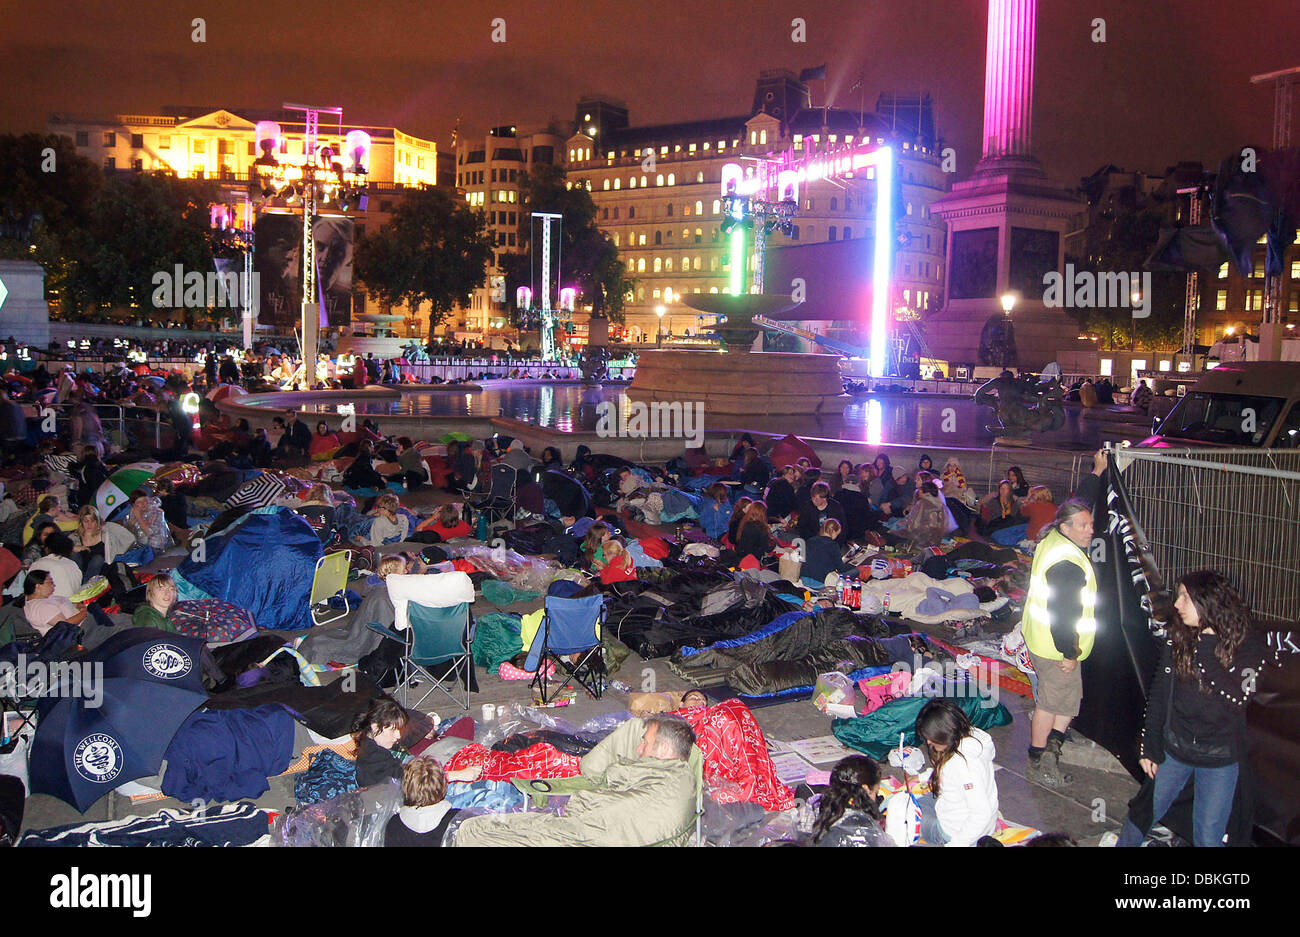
(1058, 627)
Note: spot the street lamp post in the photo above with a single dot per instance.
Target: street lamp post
(320, 177)
(659, 333)
(1008, 303)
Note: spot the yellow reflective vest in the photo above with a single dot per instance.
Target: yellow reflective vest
(1036, 624)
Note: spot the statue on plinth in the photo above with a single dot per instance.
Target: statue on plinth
(1024, 404)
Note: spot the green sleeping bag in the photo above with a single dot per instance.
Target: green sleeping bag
(876, 733)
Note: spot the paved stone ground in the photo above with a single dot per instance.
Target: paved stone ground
(1094, 804)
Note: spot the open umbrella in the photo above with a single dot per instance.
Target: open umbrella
(222, 391)
(116, 490)
(113, 713)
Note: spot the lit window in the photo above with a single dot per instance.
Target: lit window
(713, 289)
(909, 208)
(640, 265)
(753, 137)
(658, 293)
(672, 178)
(762, 136)
(706, 144)
(641, 243)
(659, 179)
(606, 186)
(699, 208)
(617, 183)
(659, 263)
(644, 182)
(699, 262)
(699, 235)
(663, 150)
(1223, 271)
(668, 265)
(616, 239)
(631, 183)
(691, 148)
(717, 206)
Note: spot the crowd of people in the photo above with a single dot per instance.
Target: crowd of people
(71, 565)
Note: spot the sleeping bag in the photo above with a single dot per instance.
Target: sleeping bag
(877, 733)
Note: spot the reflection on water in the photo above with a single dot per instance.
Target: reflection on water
(912, 419)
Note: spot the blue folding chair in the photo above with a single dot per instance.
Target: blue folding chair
(570, 626)
(436, 636)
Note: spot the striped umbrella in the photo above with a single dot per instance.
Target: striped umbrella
(113, 493)
(259, 492)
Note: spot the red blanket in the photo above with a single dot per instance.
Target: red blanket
(535, 761)
(736, 763)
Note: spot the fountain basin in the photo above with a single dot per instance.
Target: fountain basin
(741, 382)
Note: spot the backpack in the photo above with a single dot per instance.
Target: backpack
(381, 665)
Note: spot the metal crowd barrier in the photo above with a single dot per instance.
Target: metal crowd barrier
(1233, 510)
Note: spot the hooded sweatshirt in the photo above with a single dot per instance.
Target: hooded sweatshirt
(967, 806)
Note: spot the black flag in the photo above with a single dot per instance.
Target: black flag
(1123, 659)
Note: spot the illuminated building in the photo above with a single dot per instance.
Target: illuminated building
(656, 190)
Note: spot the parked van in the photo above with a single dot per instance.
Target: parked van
(1244, 403)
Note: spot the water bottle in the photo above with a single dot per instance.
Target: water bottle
(482, 530)
(886, 603)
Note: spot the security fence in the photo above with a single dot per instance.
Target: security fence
(1233, 510)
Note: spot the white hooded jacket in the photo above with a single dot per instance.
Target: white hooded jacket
(967, 806)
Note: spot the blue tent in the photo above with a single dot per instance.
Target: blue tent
(264, 563)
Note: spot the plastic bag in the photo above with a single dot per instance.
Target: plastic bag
(529, 573)
(833, 694)
(357, 818)
(902, 818)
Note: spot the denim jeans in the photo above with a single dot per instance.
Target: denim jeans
(931, 832)
(1211, 808)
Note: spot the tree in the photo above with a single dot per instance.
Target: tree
(590, 259)
(140, 225)
(435, 250)
(46, 192)
(1131, 236)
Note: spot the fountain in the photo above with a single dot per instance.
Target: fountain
(378, 337)
(735, 380)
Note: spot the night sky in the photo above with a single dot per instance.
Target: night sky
(1171, 82)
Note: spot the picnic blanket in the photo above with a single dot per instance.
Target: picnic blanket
(212, 620)
(223, 825)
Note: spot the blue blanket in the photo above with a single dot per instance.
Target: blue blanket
(228, 754)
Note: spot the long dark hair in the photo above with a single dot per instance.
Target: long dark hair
(851, 782)
(1221, 607)
(943, 722)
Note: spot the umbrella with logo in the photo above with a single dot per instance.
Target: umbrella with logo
(114, 493)
(112, 713)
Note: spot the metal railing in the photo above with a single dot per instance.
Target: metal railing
(1233, 510)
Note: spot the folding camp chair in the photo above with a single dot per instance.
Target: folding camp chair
(436, 636)
(329, 580)
(569, 626)
(432, 620)
(499, 502)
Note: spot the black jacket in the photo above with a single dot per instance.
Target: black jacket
(375, 764)
(811, 519)
(1202, 727)
(780, 498)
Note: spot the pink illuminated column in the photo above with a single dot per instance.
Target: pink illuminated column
(1009, 78)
